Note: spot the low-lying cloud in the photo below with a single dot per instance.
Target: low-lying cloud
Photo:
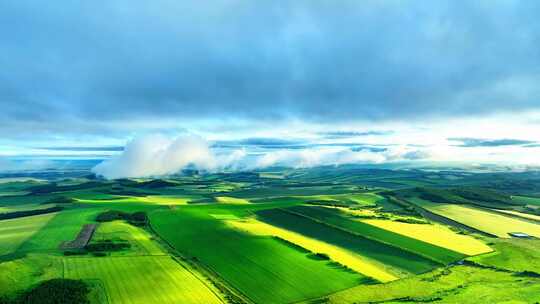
(158, 155)
(479, 142)
(9, 165)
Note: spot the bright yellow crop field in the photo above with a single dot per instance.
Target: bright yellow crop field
(352, 260)
(164, 200)
(521, 214)
(490, 222)
(435, 234)
(231, 200)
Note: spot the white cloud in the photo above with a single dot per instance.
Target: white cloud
(7, 165)
(156, 155)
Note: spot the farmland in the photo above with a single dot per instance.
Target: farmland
(486, 221)
(434, 234)
(314, 236)
(264, 259)
(141, 279)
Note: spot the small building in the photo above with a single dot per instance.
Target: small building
(519, 235)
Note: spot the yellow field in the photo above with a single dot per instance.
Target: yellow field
(163, 200)
(357, 212)
(231, 200)
(521, 214)
(14, 232)
(486, 221)
(139, 239)
(151, 199)
(435, 234)
(352, 260)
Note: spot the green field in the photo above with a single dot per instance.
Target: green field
(62, 227)
(460, 284)
(14, 232)
(403, 262)
(141, 279)
(535, 201)
(321, 235)
(287, 274)
(333, 217)
(483, 220)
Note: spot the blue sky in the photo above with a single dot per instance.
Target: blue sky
(437, 80)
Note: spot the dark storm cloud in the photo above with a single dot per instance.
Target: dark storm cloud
(99, 65)
(478, 142)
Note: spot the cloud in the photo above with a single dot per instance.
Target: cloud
(346, 134)
(120, 65)
(263, 142)
(479, 142)
(157, 155)
(84, 149)
(10, 165)
(335, 156)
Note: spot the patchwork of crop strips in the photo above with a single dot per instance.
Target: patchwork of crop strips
(402, 262)
(248, 262)
(335, 218)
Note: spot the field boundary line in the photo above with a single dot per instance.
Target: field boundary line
(180, 259)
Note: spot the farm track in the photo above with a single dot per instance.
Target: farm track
(82, 239)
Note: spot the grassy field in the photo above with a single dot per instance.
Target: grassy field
(63, 227)
(141, 279)
(492, 223)
(334, 217)
(320, 235)
(358, 263)
(19, 274)
(434, 234)
(398, 262)
(140, 240)
(269, 271)
(535, 201)
(513, 254)
(459, 284)
(14, 232)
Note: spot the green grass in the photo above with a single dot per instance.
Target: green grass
(140, 240)
(63, 227)
(14, 232)
(460, 284)
(513, 254)
(493, 223)
(22, 273)
(141, 279)
(333, 217)
(262, 268)
(394, 257)
(527, 200)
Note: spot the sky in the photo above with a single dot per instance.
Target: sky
(251, 84)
